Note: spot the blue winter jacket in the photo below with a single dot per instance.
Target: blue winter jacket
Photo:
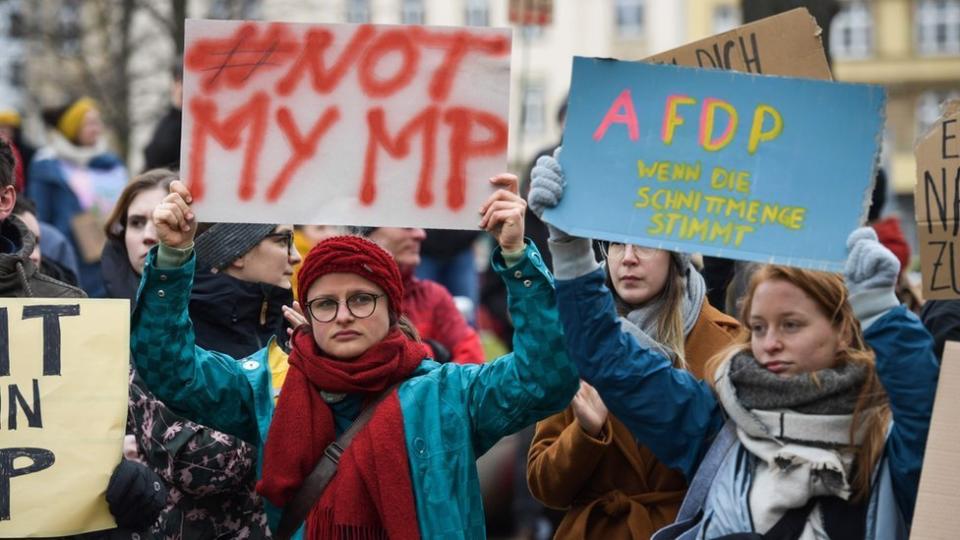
(677, 416)
(57, 204)
(452, 413)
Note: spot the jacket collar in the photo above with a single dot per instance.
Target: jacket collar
(15, 264)
(242, 307)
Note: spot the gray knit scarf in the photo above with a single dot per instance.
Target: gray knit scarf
(798, 429)
(641, 322)
(834, 391)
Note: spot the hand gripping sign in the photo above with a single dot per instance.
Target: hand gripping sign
(760, 168)
(343, 124)
(63, 407)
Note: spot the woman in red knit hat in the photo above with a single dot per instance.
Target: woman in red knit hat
(410, 471)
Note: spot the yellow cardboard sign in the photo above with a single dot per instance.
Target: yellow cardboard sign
(63, 407)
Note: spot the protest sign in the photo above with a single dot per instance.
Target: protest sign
(937, 205)
(787, 44)
(733, 165)
(936, 516)
(63, 406)
(343, 124)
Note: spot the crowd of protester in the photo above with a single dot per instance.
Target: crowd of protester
(638, 390)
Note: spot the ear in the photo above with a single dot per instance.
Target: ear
(8, 198)
(239, 262)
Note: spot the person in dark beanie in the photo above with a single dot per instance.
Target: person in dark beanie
(242, 286)
(75, 182)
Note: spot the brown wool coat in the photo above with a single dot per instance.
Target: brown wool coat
(613, 487)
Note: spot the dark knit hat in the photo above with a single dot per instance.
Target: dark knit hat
(223, 243)
(353, 255)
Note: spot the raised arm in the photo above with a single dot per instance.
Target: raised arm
(207, 387)
(906, 363)
(537, 379)
(666, 409)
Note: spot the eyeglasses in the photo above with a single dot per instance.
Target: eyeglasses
(360, 305)
(619, 251)
(286, 236)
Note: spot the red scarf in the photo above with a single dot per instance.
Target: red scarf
(371, 495)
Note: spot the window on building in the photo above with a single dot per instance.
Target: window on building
(358, 11)
(937, 24)
(476, 13)
(629, 14)
(928, 107)
(16, 22)
(17, 78)
(412, 12)
(851, 33)
(233, 9)
(530, 32)
(533, 109)
(726, 17)
(68, 27)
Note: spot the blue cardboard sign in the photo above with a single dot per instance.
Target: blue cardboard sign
(760, 168)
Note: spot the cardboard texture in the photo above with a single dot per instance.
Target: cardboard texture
(67, 361)
(787, 44)
(936, 515)
(718, 162)
(937, 205)
(343, 124)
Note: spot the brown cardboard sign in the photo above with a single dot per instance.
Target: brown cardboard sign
(787, 44)
(937, 204)
(936, 513)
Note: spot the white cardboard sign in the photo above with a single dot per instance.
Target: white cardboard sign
(340, 124)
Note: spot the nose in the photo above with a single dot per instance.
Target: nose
(771, 342)
(293, 255)
(418, 234)
(343, 314)
(630, 255)
(149, 233)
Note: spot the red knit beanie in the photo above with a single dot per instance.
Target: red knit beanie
(353, 255)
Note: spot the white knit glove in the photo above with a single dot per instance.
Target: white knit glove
(871, 273)
(870, 265)
(546, 188)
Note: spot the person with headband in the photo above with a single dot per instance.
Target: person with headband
(410, 471)
(75, 181)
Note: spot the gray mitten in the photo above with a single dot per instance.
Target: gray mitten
(546, 188)
(870, 265)
(871, 274)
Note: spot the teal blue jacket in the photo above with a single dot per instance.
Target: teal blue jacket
(452, 413)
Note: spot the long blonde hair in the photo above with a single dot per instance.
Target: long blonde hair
(670, 332)
(872, 410)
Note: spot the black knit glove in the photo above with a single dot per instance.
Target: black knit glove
(136, 495)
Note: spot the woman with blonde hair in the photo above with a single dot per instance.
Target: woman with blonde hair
(816, 421)
(585, 460)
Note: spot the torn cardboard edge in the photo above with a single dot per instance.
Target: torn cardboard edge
(938, 498)
(787, 44)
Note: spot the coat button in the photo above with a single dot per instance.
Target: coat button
(527, 283)
(161, 294)
(518, 274)
(420, 446)
(163, 277)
